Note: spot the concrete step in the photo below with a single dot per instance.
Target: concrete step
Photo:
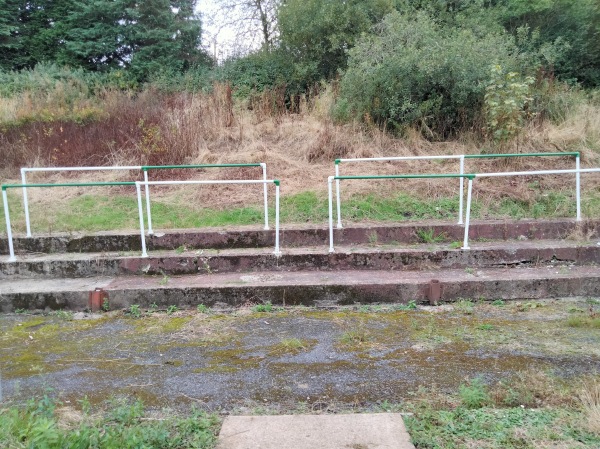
(357, 257)
(309, 288)
(368, 431)
(301, 235)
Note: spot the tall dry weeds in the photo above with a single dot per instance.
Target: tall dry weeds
(590, 400)
(153, 128)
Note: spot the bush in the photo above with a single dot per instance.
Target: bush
(415, 72)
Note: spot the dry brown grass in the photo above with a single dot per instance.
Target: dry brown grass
(299, 149)
(590, 400)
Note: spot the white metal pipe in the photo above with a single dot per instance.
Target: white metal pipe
(338, 197)
(148, 208)
(539, 172)
(468, 215)
(462, 190)
(578, 186)
(26, 201)
(233, 181)
(330, 190)
(141, 213)
(402, 158)
(277, 250)
(265, 192)
(47, 169)
(11, 249)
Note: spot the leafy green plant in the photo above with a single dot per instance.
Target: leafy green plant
(506, 101)
(263, 308)
(153, 308)
(428, 236)
(202, 308)
(486, 327)
(65, 315)
(172, 309)
(474, 394)
(105, 305)
(20, 311)
(134, 311)
(411, 305)
(498, 303)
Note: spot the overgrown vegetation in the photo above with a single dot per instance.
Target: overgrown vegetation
(106, 84)
(528, 410)
(121, 424)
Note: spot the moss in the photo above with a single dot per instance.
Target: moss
(158, 324)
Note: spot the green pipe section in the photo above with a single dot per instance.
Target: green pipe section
(469, 176)
(159, 167)
(77, 184)
(486, 156)
(276, 182)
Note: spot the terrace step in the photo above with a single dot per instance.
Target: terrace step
(300, 235)
(358, 257)
(307, 288)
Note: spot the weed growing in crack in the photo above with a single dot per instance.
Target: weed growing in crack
(267, 307)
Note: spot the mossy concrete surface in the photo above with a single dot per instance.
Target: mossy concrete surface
(243, 359)
(300, 235)
(309, 288)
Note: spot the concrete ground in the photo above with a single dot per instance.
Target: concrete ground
(364, 431)
(298, 359)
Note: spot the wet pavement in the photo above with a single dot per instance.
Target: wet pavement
(245, 359)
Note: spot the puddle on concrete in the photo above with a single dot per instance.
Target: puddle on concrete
(298, 355)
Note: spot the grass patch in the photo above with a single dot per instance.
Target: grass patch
(104, 212)
(501, 418)
(45, 424)
(579, 321)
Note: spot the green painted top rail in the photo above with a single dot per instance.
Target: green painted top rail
(468, 176)
(76, 184)
(487, 156)
(160, 167)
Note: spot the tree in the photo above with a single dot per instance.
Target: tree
(31, 31)
(254, 22)
(145, 37)
(576, 23)
(318, 34)
(418, 72)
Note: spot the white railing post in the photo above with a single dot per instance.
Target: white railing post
(277, 250)
(462, 190)
(338, 196)
(148, 208)
(578, 186)
(141, 213)
(265, 191)
(26, 201)
(9, 237)
(330, 190)
(468, 215)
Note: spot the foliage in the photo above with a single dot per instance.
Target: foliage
(123, 426)
(317, 35)
(143, 36)
(415, 72)
(573, 26)
(507, 99)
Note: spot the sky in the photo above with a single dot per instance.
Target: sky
(218, 40)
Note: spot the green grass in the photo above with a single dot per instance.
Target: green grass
(527, 410)
(97, 213)
(122, 425)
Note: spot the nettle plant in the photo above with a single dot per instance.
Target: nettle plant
(507, 100)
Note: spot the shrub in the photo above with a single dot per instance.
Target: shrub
(415, 72)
